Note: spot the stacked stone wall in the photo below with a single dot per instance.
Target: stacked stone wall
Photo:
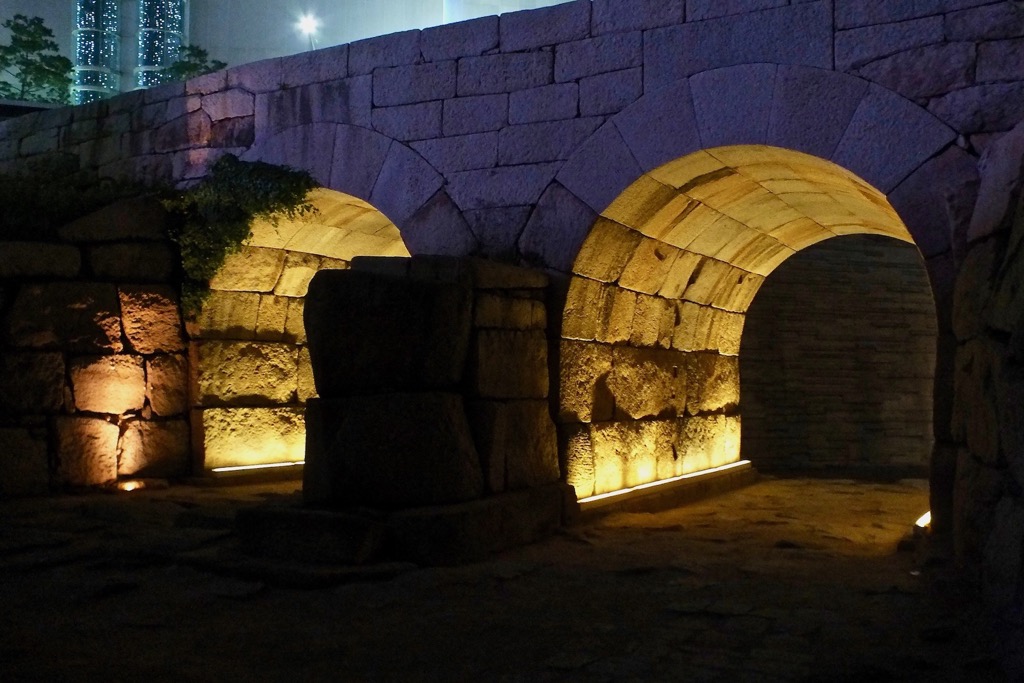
(838, 360)
(94, 365)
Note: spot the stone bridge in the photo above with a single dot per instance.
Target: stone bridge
(658, 159)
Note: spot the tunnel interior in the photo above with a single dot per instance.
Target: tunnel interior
(649, 356)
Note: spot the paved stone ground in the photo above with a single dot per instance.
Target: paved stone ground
(788, 579)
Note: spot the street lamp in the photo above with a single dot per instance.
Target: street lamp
(308, 25)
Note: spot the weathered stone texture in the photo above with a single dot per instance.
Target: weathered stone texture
(167, 384)
(81, 317)
(925, 71)
(546, 26)
(546, 103)
(584, 370)
(108, 384)
(509, 364)
(713, 382)
(251, 269)
(494, 74)
(981, 108)
(154, 449)
(462, 39)
(464, 115)
(152, 318)
(246, 373)
(229, 315)
(409, 84)
(86, 451)
(133, 262)
(257, 435)
(517, 443)
(31, 383)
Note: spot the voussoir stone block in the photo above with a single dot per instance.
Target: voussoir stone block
(251, 269)
(155, 449)
(86, 451)
(733, 105)
(509, 364)
(600, 168)
(152, 318)
(583, 391)
(391, 451)
(31, 382)
(108, 384)
(246, 373)
(826, 97)
(419, 343)
(79, 317)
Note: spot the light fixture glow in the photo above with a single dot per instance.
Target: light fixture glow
(267, 466)
(925, 520)
(131, 485)
(308, 25)
(663, 482)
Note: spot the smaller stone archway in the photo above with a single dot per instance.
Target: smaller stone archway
(251, 373)
(648, 369)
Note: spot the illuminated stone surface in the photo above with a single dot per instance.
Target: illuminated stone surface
(648, 382)
(81, 317)
(250, 269)
(167, 384)
(246, 372)
(714, 382)
(584, 370)
(31, 382)
(152, 318)
(86, 451)
(108, 384)
(250, 436)
(154, 449)
(272, 317)
(229, 314)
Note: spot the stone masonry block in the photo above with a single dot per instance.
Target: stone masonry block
(151, 317)
(856, 47)
(207, 83)
(612, 16)
(607, 251)
(583, 58)
(851, 13)
(245, 373)
(462, 39)
(307, 383)
(167, 384)
(86, 451)
(251, 269)
(600, 169)
(517, 441)
(406, 182)
(460, 152)
(272, 317)
(438, 228)
(503, 186)
(415, 83)
(108, 384)
(539, 142)
(764, 37)
(309, 146)
(712, 381)
(611, 92)
(391, 50)
(503, 73)
(661, 126)
(36, 259)
(1000, 60)
(31, 383)
(358, 156)
(497, 230)
(250, 436)
(420, 344)
(509, 364)
(133, 262)
(409, 121)
(926, 71)
(545, 26)
(826, 97)
(491, 310)
(700, 10)
(314, 66)
(647, 383)
(228, 315)
(733, 106)
(228, 104)
(991, 22)
(257, 77)
(615, 316)
(155, 449)
(556, 229)
(584, 304)
(981, 108)
(546, 103)
(583, 391)
(80, 316)
(347, 100)
(464, 115)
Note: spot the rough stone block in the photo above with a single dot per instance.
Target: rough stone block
(626, 454)
(155, 449)
(607, 251)
(406, 182)
(647, 383)
(358, 156)
(438, 228)
(167, 384)
(307, 385)
(464, 115)
(391, 50)
(420, 344)
(460, 153)
(297, 271)
(31, 383)
(856, 47)
(545, 26)
(1001, 171)
(661, 126)
(556, 229)
(36, 260)
(583, 391)
(503, 186)
(583, 58)
(191, 130)
(294, 326)
(24, 463)
(228, 315)
(309, 146)
(649, 266)
(80, 316)
(852, 13)
(517, 443)
(713, 382)
(246, 373)
(764, 37)
(708, 441)
(540, 142)
(508, 313)
(509, 364)
(108, 384)
(414, 83)
(207, 83)
(926, 71)
(546, 103)
(228, 104)
(462, 39)
(733, 106)
(1000, 60)
(585, 303)
(615, 316)
(503, 73)
(314, 66)
(252, 436)
(981, 108)
(574, 440)
(347, 100)
(700, 10)
(612, 16)
(133, 262)
(391, 451)
(86, 451)
(130, 219)
(494, 275)
(600, 169)
(498, 229)
(272, 318)
(611, 92)
(991, 22)
(152, 318)
(251, 269)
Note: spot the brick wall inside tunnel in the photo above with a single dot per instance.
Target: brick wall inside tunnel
(838, 360)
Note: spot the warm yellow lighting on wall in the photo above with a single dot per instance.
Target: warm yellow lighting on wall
(925, 520)
(265, 466)
(663, 482)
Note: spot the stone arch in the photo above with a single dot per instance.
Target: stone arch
(251, 371)
(649, 383)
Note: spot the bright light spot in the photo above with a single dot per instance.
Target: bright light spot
(272, 465)
(308, 24)
(662, 482)
(131, 485)
(925, 520)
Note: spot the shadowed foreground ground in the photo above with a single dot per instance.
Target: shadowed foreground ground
(792, 579)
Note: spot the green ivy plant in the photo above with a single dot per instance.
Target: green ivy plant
(213, 217)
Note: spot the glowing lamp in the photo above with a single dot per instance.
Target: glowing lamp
(924, 521)
(131, 485)
(308, 25)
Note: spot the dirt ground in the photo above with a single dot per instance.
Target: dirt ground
(787, 579)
